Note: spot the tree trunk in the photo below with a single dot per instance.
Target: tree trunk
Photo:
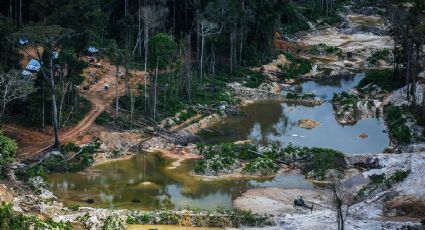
(116, 92)
(43, 108)
(202, 57)
(146, 44)
(54, 107)
(155, 90)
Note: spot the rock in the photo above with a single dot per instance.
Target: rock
(348, 64)
(308, 124)
(382, 63)
(411, 206)
(363, 136)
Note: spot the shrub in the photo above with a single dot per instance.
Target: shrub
(261, 166)
(74, 207)
(382, 78)
(11, 220)
(298, 66)
(326, 159)
(396, 122)
(384, 54)
(8, 149)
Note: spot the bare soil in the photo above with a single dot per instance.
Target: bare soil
(32, 142)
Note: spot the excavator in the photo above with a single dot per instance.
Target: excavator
(299, 202)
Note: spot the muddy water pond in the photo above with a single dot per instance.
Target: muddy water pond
(148, 182)
(271, 122)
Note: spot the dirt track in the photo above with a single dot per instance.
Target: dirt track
(32, 142)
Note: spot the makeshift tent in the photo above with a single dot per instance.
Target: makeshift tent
(33, 66)
(55, 55)
(23, 41)
(92, 49)
(26, 73)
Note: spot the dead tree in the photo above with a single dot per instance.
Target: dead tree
(342, 199)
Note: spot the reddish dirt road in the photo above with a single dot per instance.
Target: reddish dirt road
(32, 142)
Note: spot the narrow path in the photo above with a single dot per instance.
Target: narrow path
(32, 142)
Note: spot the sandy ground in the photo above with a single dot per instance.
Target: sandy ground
(32, 142)
(349, 43)
(278, 201)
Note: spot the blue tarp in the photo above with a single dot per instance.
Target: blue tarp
(55, 54)
(26, 73)
(23, 41)
(92, 49)
(33, 65)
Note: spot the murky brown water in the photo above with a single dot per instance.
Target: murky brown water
(146, 182)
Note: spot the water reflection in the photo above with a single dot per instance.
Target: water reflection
(277, 123)
(123, 184)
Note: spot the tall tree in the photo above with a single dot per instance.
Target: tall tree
(14, 86)
(44, 40)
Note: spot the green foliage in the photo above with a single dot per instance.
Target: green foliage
(103, 118)
(326, 159)
(74, 207)
(11, 220)
(384, 54)
(383, 79)
(295, 96)
(8, 149)
(220, 217)
(261, 166)
(211, 93)
(298, 66)
(9, 54)
(59, 164)
(163, 47)
(185, 115)
(263, 161)
(380, 182)
(112, 223)
(322, 49)
(396, 122)
(216, 165)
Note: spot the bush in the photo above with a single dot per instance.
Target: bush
(58, 163)
(261, 166)
(11, 220)
(8, 149)
(103, 118)
(74, 207)
(326, 159)
(382, 78)
(396, 122)
(298, 66)
(384, 54)
(323, 49)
